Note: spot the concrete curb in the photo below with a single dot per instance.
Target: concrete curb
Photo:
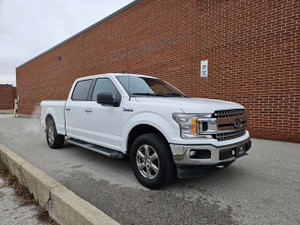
(63, 205)
(27, 116)
(8, 111)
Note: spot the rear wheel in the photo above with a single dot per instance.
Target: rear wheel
(152, 162)
(54, 140)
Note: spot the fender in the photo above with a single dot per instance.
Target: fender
(151, 119)
(60, 126)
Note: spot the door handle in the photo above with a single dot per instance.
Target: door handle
(88, 110)
(68, 109)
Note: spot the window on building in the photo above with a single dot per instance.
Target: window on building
(81, 90)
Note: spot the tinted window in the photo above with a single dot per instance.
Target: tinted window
(135, 85)
(81, 90)
(148, 86)
(104, 85)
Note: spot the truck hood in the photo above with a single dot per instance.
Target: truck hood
(190, 105)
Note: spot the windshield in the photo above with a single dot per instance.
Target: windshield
(148, 86)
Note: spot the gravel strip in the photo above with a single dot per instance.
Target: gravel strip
(12, 212)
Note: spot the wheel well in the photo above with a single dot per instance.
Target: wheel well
(49, 118)
(138, 131)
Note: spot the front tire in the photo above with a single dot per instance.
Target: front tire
(152, 162)
(54, 140)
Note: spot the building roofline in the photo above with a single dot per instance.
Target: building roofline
(85, 30)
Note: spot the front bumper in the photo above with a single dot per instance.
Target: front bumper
(206, 155)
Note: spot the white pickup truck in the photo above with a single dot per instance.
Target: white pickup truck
(165, 133)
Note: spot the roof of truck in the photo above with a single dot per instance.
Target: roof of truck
(114, 75)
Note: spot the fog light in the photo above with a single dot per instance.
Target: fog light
(193, 153)
(200, 154)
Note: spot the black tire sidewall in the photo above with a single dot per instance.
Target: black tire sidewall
(50, 124)
(58, 139)
(166, 161)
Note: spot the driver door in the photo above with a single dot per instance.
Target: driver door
(104, 120)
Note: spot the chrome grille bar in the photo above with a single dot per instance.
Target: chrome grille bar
(230, 135)
(229, 113)
(225, 120)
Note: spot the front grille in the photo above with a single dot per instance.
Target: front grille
(229, 113)
(230, 135)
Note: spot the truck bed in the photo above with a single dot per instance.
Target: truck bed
(57, 108)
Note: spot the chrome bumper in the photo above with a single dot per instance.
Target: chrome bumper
(181, 153)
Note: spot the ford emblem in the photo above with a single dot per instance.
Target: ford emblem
(237, 123)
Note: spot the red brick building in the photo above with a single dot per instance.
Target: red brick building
(252, 48)
(7, 96)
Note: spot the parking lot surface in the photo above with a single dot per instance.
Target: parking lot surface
(262, 188)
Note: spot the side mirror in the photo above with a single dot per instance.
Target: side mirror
(106, 98)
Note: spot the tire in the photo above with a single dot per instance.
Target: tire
(152, 162)
(54, 140)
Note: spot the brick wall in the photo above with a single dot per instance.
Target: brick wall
(15, 92)
(6, 97)
(252, 48)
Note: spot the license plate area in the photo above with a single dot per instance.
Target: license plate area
(240, 151)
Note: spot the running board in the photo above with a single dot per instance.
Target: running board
(102, 150)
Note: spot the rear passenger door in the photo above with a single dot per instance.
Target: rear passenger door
(75, 110)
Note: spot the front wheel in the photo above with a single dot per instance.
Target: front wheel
(54, 140)
(152, 162)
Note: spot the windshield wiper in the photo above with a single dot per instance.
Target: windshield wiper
(160, 94)
(172, 94)
(147, 94)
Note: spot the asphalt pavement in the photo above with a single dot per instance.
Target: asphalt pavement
(261, 188)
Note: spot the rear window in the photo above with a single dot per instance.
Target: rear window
(81, 90)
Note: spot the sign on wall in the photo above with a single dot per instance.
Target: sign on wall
(204, 68)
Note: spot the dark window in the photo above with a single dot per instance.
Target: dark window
(104, 85)
(81, 90)
(148, 86)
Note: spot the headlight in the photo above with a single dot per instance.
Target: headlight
(195, 125)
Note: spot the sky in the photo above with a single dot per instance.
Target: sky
(30, 27)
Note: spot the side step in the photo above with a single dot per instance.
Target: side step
(96, 148)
